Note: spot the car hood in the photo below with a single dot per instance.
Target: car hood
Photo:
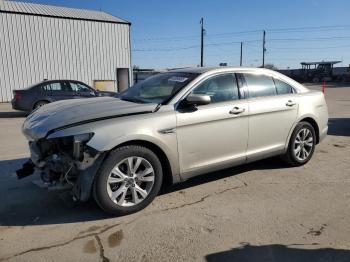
(78, 111)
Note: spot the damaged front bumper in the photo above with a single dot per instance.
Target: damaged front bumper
(65, 162)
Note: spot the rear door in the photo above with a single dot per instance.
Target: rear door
(54, 91)
(273, 109)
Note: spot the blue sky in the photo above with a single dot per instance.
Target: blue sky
(167, 33)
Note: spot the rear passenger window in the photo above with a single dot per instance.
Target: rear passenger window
(282, 87)
(220, 88)
(260, 85)
(52, 87)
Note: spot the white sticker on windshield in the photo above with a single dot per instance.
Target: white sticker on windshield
(180, 79)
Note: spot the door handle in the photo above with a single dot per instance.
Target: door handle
(290, 103)
(236, 110)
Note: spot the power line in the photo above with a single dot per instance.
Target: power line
(310, 48)
(271, 30)
(251, 41)
(310, 39)
(165, 49)
(308, 28)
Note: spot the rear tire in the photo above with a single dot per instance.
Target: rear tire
(39, 104)
(301, 145)
(129, 179)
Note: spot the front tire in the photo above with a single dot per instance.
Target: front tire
(129, 180)
(301, 145)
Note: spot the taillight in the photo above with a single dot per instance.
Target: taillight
(18, 95)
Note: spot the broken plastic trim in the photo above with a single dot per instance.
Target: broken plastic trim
(26, 170)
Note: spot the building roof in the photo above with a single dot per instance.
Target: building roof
(320, 63)
(58, 11)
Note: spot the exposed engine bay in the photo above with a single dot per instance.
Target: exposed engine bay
(65, 162)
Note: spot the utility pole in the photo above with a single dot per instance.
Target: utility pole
(264, 49)
(240, 63)
(202, 41)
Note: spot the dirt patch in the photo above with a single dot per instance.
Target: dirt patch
(90, 247)
(115, 238)
(317, 232)
(340, 146)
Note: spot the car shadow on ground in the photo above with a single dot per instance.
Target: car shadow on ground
(24, 203)
(13, 114)
(269, 163)
(339, 126)
(274, 253)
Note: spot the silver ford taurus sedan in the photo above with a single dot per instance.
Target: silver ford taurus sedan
(171, 127)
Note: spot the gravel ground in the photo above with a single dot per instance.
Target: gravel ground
(264, 211)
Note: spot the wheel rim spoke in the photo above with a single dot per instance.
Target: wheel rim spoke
(122, 198)
(119, 191)
(137, 164)
(146, 179)
(146, 175)
(309, 142)
(112, 180)
(116, 176)
(142, 192)
(130, 164)
(135, 197)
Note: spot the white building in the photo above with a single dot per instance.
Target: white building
(48, 42)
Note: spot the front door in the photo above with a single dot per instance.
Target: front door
(215, 135)
(81, 91)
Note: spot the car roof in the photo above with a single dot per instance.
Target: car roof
(48, 81)
(60, 80)
(195, 70)
(202, 70)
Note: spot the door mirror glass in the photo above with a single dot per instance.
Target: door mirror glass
(198, 99)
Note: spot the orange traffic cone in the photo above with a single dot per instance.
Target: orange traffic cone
(324, 87)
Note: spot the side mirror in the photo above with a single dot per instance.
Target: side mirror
(198, 99)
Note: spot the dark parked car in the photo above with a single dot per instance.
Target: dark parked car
(46, 92)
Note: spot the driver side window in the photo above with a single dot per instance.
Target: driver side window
(76, 87)
(220, 88)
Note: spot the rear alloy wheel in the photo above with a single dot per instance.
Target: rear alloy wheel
(129, 180)
(301, 145)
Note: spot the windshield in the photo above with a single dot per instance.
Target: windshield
(158, 89)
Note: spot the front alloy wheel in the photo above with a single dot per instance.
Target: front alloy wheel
(129, 179)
